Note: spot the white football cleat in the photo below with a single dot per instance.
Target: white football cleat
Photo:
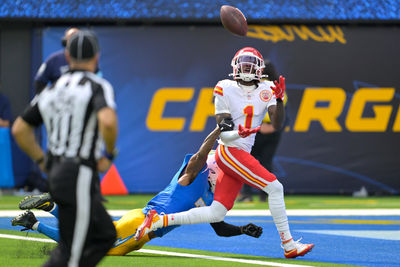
(298, 250)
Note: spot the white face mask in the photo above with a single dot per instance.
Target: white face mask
(247, 67)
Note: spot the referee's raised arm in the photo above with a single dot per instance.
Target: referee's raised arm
(81, 124)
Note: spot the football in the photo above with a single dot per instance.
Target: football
(233, 20)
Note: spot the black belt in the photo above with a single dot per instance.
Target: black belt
(76, 160)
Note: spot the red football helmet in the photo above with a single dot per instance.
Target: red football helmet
(248, 65)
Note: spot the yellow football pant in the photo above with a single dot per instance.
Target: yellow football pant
(126, 229)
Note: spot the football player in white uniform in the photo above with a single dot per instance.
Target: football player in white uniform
(243, 102)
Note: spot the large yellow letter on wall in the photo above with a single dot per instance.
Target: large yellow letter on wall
(204, 109)
(155, 120)
(396, 124)
(327, 116)
(356, 123)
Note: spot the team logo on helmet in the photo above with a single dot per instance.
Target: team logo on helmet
(265, 95)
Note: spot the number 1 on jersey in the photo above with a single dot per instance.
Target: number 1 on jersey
(248, 111)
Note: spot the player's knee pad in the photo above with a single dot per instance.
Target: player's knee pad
(218, 211)
(274, 188)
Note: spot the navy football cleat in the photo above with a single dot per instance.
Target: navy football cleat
(41, 202)
(26, 219)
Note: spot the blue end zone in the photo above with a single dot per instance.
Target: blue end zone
(328, 248)
(336, 239)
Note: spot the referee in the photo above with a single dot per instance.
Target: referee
(81, 123)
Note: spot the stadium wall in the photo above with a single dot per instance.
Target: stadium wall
(342, 85)
(164, 59)
(369, 11)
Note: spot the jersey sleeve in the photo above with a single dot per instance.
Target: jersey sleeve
(43, 74)
(32, 113)
(104, 96)
(221, 105)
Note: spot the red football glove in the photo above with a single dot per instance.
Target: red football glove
(244, 132)
(279, 88)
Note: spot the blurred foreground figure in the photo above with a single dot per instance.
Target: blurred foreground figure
(78, 111)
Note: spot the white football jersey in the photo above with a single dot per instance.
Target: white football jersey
(247, 106)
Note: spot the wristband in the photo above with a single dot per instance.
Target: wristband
(110, 156)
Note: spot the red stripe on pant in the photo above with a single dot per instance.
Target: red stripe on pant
(237, 167)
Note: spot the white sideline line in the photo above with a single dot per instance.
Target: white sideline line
(187, 255)
(303, 212)
(27, 238)
(258, 262)
(320, 212)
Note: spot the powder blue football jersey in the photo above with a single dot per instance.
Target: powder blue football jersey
(176, 198)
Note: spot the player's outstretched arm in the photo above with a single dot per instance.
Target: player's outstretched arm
(277, 112)
(198, 160)
(227, 230)
(228, 134)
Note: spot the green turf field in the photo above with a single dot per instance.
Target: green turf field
(292, 202)
(33, 253)
(16, 253)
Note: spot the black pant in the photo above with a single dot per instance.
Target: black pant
(86, 229)
(264, 149)
(265, 146)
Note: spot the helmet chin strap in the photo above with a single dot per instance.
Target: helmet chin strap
(247, 77)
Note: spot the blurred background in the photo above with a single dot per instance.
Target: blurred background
(341, 61)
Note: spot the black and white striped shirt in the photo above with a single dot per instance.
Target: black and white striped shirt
(69, 109)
